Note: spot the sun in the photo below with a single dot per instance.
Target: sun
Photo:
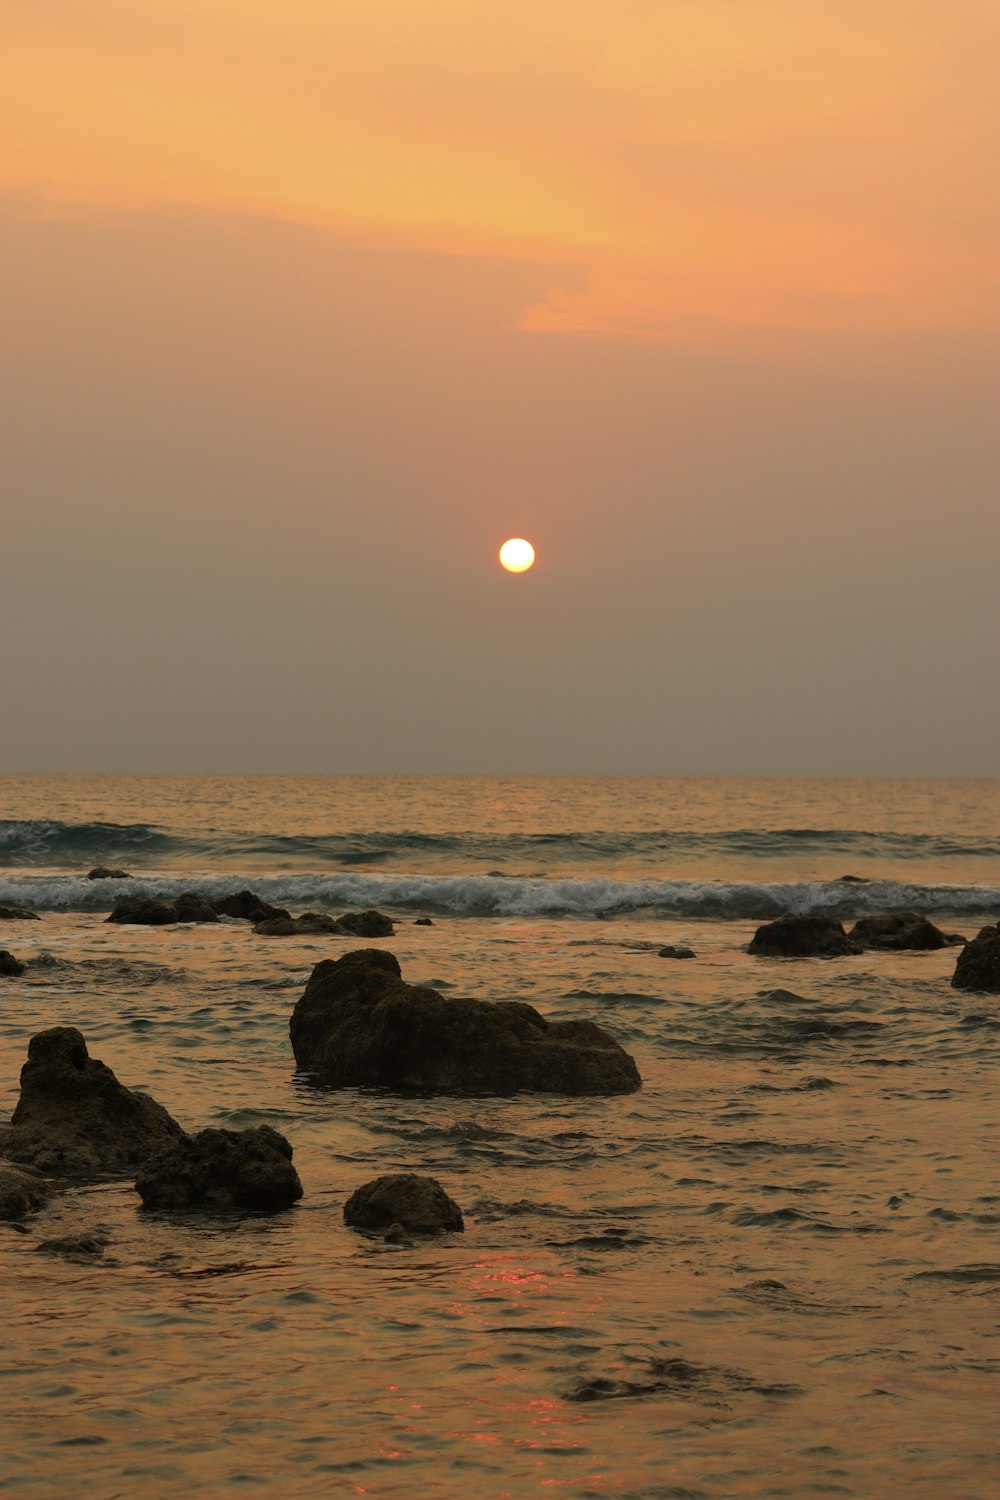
(517, 555)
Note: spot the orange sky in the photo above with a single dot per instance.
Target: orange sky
(689, 167)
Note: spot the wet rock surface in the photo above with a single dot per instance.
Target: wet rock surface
(20, 1192)
(222, 1171)
(360, 1024)
(401, 1204)
(676, 950)
(978, 966)
(897, 930)
(310, 923)
(247, 906)
(10, 967)
(74, 1117)
(802, 937)
(190, 906)
(18, 914)
(78, 1247)
(366, 924)
(143, 911)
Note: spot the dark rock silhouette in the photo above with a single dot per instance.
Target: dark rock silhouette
(978, 966)
(423, 922)
(308, 924)
(359, 1024)
(79, 1247)
(417, 1205)
(190, 907)
(18, 914)
(101, 872)
(248, 906)
(853, 879)
(676, 950)
(222, 1171)
(74, 1116)
(802, 937)
(10, 966)
(897, 930)
(20, 1192)
(367, 924)
(143, 911)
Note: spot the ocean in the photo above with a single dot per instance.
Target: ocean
(773, 1271)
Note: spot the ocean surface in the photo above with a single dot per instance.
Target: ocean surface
(774, 1271)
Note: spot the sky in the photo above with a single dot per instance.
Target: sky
(306, 308)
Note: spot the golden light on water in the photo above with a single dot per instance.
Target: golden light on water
(517, 555)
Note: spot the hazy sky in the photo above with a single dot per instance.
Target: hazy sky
(306, 307)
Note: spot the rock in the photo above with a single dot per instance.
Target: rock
(396, 1235)
(367, 924)
(74, 1116)
(222, 1171)
(18, 914)
(358, 1024)
(900, 929)
(74, 1246)
(190, 907)
(676, 950)
(20, 1192)
(143, 911)
(10, 966)
(248, 906)
(403, 1201)
(802, 937)
(101, 872)
(423, 922)
(853, 879)
(309, 924)
(978, 966)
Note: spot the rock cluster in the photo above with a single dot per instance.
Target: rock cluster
(189, 906)
(359, 1023)
(222, 1171)
(367, 924)
(978, 966)
(418, 1205)
(802, 937)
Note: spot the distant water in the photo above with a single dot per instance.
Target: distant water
(773, 1271)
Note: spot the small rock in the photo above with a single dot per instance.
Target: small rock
(143, 911)
(978, 966)
(18, 914)
(898, 930)
(423, 922)
(248, 906)
(418, 1205)
(101, 872)
(74, 1246)
(222, 1171)
(802, 937)
(20, 1192)
(676, 950)
(853, 879)
(309, 924)
(10, 966)
(367, 924)
(396, 1235)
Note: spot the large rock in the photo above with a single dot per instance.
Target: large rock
(18, 914)
(74, 1116)
(308, 925)
(359, 1024)
(978, 966)
(102, 872)
(247, 905)
(222, 1171)
(10, 966)
(419, 1204)
(367, 924)
(801, 937)
(897, 930)
(20, 1192)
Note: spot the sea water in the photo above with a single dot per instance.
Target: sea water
(774, 1271)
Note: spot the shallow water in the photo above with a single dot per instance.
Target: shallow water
(775, 1270)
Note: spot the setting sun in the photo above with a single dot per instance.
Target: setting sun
(517, 555)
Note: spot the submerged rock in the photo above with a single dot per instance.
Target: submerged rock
(80, 1247)
(18, 914)
(308, 924)
(403, 1201)
(978, 966)
(101, 872)
(802, 937)
(367, 924)
(222, 1171)
(10, 966)
(359, 1024)
(676, 950)
(20, 1192)
(74, 1116)
(897, 930)
(248, 906)
(143, 911)
(423, 922)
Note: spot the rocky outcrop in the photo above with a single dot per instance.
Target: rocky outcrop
(20, 1192)
(419, 1205)
(18, 914)
(190, 906)
(897, 930)
(978, 966)
(308, 925)
(222, 1171)
(101, 872)
(74, 1116)
(10, 966)
(143, 911)
(366, 924)
(359, 1024)
(802, 937)
(248, 906)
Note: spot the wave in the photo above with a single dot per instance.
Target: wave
(41, 842)
(506, 896)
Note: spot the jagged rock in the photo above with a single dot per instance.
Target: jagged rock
(900, 929)
(101, 872)
(18, 914)
(359, 1024)
(978, 966)
(367, 924)
(309, 924)
(802, 937)
(222, 1171)
(143, 911)
(190, 907)
(20, 1192)
(417, 1205)
(10, 966)
(74, 1116)
(247, 905)
(676, 950)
